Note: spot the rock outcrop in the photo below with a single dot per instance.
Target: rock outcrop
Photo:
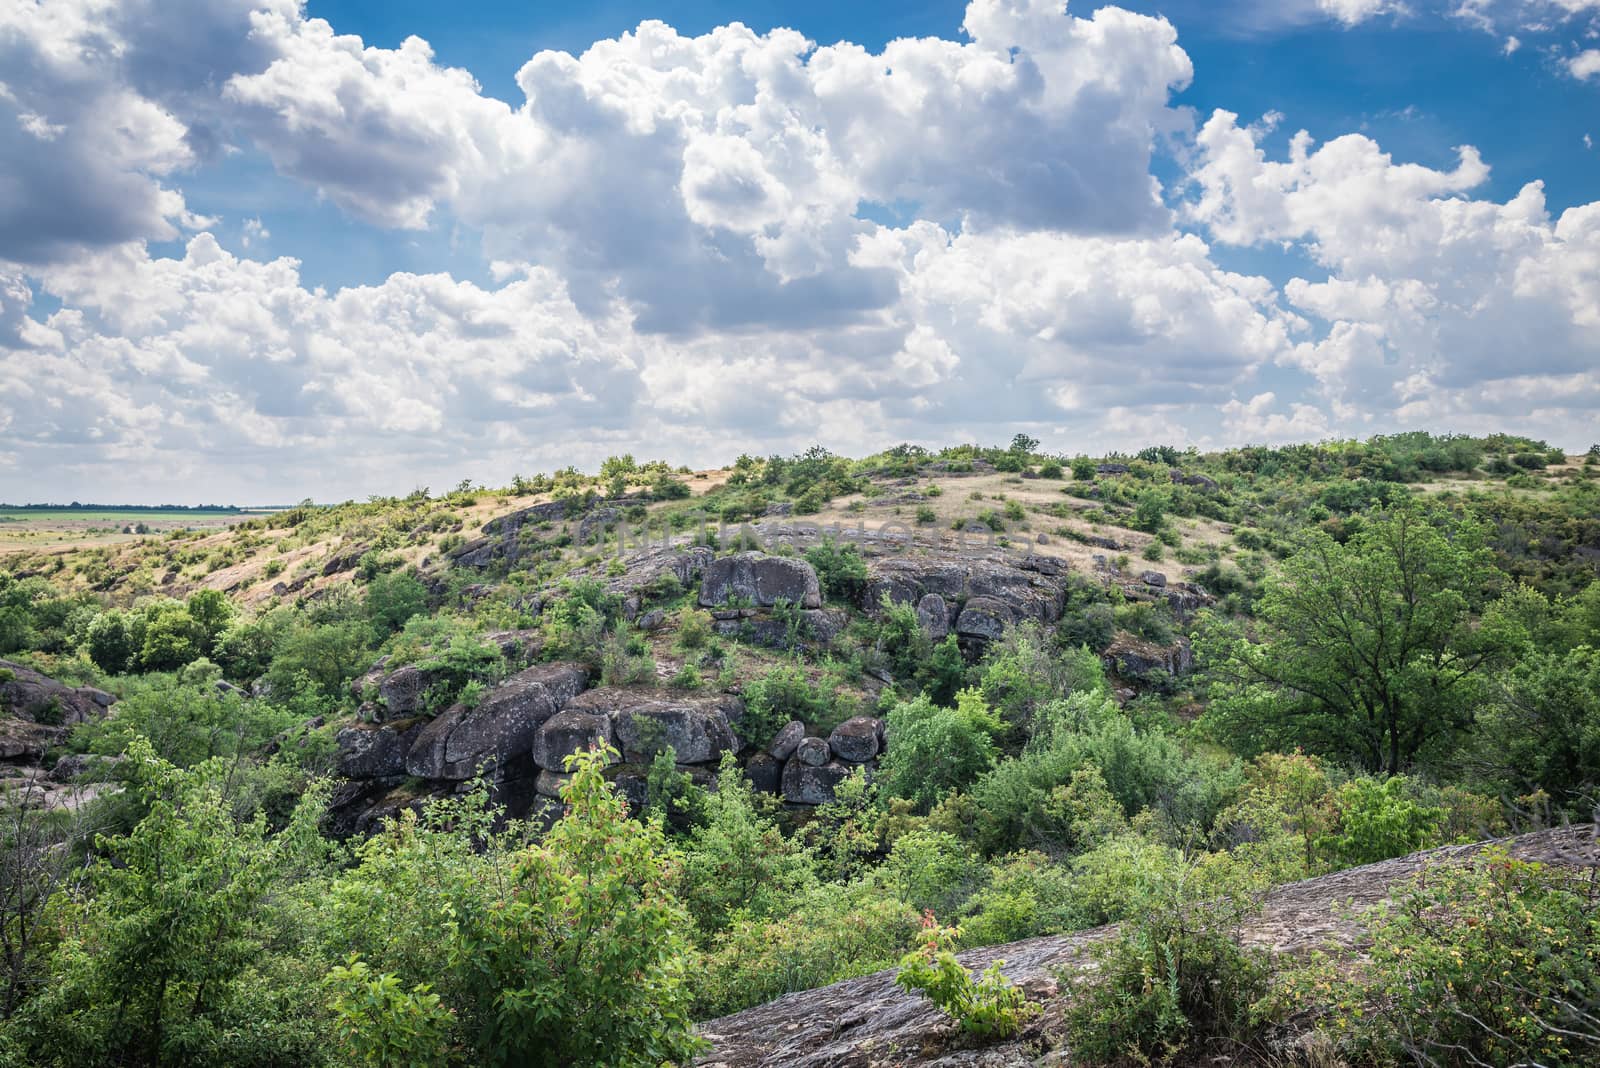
(698, 728)
(500, 727)
(869, 1022)
(756, 580)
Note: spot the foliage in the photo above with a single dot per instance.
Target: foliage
(167, 961)
(1176, 973)
(1369, 650)
(381, 1023)
(931, 750)
(848, 930)
(1491, 961)
(990, 1006)
(735, 863)
(783, 694)
(840, 570)
(1376, 821)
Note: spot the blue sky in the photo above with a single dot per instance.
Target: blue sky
(265, 249)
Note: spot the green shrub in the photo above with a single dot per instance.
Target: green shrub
(989, 1007)
(694, 628)
(848, 930)
(840, 570)
(926, 515)
(782, 694)
(1491, 961)
(1176, 974)
(931, 750)
(381, 1023)
(1377, 820)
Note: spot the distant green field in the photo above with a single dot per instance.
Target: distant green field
(112, 515)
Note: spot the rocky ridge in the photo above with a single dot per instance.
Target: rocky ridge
(872, 1023)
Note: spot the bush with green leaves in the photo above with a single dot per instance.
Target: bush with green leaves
(840, 570)
(694, 628)
(1376, 820)
(932, 750)
(1024, 895)
(190, 946)
(1492, 960)
(379, 1022)
(849, 929)
(736, 863)
(1176, 975)
(184, 723)
(784, 693)
(932, 871)
(463, 662)
(990, 1006)
(392, 599)
(567, 951)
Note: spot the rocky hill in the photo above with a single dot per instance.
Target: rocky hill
(872, 1023)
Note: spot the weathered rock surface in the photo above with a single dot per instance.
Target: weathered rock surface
(805, 784)
(1132, 658)
(813, 752)
(760, 580)
(501, 727)
(787, 740)
(698, 727)
(1023, 592)
(371, 752)
(934, 616)
(565, 733)
(765, 773)
(28, 695)
(985, 618)
(856, 740)
(870, 1022)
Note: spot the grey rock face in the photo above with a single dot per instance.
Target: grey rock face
(806, 784)
(985, 618)
(566, 733)
(813, 752)
(787, 740)
(1133, 658)
(1153, 578)
(760, 580)
(934, 616)
(367, 752)
(549, 783)
(855, 740)
(500, 728)
(28, 695)
(765, 773)
(699, 728)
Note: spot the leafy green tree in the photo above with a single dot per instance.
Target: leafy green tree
(327, 655)
(170, 959)
(172, 638)
(581, 957)
(736, 861)
(212, 612)
(380, 1023)
(392, 599)
(1378, 820)
(1541, 728)
(933, 750)
(1371, 650)
(840, 570)
(110, 642)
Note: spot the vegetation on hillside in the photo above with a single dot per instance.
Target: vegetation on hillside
(1402, 650)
